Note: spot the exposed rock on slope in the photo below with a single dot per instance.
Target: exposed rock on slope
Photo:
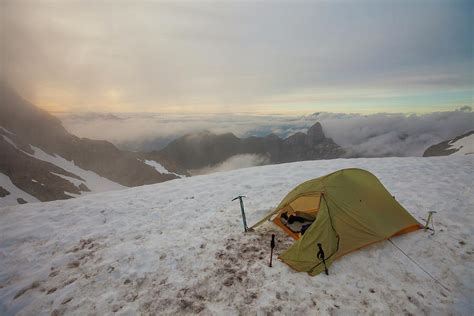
(36, 177)
(204, 149)
(461, 145)
(3, 192)
(27, 132)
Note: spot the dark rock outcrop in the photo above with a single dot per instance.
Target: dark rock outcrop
(3, 192)
(201, 149)
(83, 187)
(21, 201)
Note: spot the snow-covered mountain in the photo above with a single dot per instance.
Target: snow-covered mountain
(41, 161)
(179, 248)
(458, 146)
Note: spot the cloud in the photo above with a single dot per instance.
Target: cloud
(465, 108)
(232, 163)
(145, 129)
(394, 134)
(234, 56)
(361, 135)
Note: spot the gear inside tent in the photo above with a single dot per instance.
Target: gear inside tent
(343, 211)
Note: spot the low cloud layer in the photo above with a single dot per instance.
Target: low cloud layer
(394, 134)
(361, 135)
(234, 162)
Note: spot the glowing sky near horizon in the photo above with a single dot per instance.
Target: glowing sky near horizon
(239, 56)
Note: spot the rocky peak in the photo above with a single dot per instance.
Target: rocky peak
(315, 134)
(272, 137)
(195, 154)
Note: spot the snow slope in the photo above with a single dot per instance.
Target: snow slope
(14, 192)
(464, 146)
(178, 247)
(92, 180)
(159, 167)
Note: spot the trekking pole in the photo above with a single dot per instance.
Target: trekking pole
(243, 211)
(272, 245)
(321, 257)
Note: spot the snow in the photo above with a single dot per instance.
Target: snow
(93, 181)
(36, 181)
(464, 146)
(74, 181)
(11, 142)
(159, 167)
(178, 247)
(15, 193)
(6, 131)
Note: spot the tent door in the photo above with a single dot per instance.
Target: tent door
(298, 215)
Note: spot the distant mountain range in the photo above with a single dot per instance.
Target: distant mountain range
(204, 149)
(461, 145)
(41, 161)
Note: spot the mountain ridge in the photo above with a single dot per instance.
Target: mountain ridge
(204, 149)
(28, 132)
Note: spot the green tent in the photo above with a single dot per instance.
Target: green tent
(343, 211)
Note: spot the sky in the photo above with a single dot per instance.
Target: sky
(286, 57)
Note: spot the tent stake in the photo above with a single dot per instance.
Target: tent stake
(272, 245)
(430, 219)
(243, 211)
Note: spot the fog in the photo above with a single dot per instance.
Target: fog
(373, 135)
(234, 162)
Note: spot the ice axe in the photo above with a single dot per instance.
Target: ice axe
(272, 245)
(240, 197)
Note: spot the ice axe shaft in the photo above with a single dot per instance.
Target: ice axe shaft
(272, 245)
(243, 210)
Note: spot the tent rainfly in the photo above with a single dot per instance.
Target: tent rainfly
(343, 211)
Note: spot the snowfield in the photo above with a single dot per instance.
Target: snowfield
(179, 247)
(93, 181)
(159, 167)
(464, 146)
